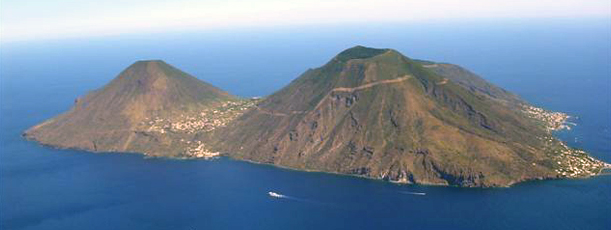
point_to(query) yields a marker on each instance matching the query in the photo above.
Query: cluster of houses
(198, 150)
(156, 125)
(204, 121)
(554, 120)
(196, 124)
(186, 125)
(572, 163)
(577, 163)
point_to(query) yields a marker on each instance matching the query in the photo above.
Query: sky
(23, 20)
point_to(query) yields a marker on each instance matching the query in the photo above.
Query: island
(368, 112)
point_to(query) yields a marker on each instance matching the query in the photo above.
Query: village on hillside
(574, 163)
(554, 121)
(187, 125)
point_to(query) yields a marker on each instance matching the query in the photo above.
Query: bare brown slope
(109, 119)
(378, 114)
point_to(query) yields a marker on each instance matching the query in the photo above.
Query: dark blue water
(560, 65)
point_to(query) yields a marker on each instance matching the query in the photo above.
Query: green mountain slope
(378, 114)
(472, 82)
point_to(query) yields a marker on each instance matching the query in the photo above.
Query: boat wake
(413, 193)
(282, 196)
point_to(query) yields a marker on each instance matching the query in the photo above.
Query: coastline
(228, 155)
(571, 162)
(553, 121)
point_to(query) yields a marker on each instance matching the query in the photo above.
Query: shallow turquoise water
(564, 66)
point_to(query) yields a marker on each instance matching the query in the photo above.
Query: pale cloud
(31, 19)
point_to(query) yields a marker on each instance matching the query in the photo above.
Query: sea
(561, 65)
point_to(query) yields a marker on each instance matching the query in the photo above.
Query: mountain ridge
(419, 128)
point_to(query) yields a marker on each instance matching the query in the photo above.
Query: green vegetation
(359, 52)
(472, 82)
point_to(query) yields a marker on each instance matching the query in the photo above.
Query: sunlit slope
(113, 118)
(379, 114)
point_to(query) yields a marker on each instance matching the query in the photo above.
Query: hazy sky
(44, 19)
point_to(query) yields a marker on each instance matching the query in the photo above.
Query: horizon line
(266, 28)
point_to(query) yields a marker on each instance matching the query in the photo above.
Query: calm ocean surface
(559, 65)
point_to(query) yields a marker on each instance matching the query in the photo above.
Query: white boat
(273, 194)
(414, 193)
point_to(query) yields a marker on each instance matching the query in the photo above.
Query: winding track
(369, 85)
(339, 89)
